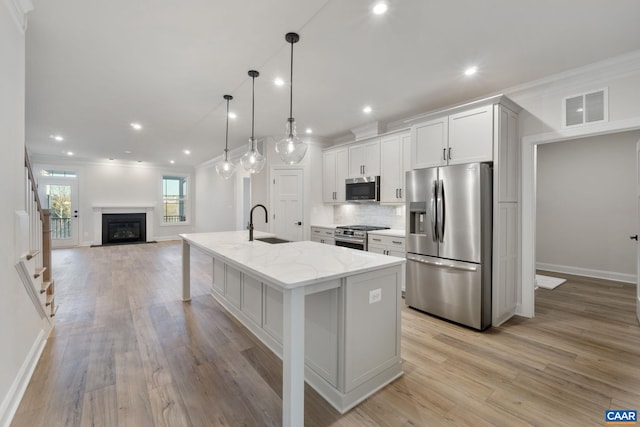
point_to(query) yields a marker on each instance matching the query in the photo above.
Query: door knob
(297, 223)
(634, 237)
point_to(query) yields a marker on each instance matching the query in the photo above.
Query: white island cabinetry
(314, 305)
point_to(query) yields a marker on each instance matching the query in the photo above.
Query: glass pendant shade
(224, 167)
(291, 149)
(252, 161)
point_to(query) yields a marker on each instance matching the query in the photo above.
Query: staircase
(34, 266)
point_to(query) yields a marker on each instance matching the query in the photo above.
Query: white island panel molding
(331, 313)
(98, 210)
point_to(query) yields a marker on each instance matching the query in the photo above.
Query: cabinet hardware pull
(444, 154)
(376, 240)
(400, 191)
(449, 153)
(396, 242)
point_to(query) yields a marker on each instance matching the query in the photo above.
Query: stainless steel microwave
(363, 189)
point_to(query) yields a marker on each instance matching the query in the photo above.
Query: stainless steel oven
(354, 236)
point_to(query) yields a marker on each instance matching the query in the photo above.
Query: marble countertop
(394, 232)
(288, 265)
(326, 225)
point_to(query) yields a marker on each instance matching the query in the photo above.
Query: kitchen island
(331, 313)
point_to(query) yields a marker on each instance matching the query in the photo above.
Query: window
(174, 199)
(58, 173)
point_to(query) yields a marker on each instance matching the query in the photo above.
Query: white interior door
(638, 230)
(60, 196)
(287, 203)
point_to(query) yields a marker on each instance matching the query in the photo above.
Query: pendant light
(252, 160)
(226, 168)
(291, 149)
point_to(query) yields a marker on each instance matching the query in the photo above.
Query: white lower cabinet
(323, 235)
(386, 245)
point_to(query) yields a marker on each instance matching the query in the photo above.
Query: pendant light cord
(291, 86)
(253, 105)
(226, 136)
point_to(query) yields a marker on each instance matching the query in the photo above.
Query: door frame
(305, 216)
(73, 182)
(526, 306)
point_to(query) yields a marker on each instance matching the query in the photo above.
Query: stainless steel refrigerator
(449, 228)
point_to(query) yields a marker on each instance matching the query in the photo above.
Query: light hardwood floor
(127, 352)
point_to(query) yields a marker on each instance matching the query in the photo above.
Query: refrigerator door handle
(439, 264)
(440, 211)
(434, 196)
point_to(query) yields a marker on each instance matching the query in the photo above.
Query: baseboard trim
(587, 272)
(16, 392)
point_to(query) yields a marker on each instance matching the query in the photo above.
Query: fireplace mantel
(98, 210)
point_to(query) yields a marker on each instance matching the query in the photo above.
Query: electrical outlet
(375, 295)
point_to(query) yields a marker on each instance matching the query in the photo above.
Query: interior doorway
(529, 190)
(585, 206)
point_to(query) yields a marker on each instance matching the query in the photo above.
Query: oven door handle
(439, 264)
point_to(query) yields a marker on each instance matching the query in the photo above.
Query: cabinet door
(372, 158)
(471, 136)
(356, 160)
(428, 142)
(377, 249)
(329, 176)
(342, 168)
(391, 169)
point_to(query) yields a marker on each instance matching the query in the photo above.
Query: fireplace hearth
(123, 228)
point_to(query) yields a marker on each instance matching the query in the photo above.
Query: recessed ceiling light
(380, 8)
(136, 126)
(309, 130)
(58, 138)
(367, 109)
(69, 153)
(579, 110)
(187, 152)
(232, 115)
(278, 82)
(111, 158)
(172, 161)
(471, 71)
(127, 152)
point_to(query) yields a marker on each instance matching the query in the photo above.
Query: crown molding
(19, 10)
(595, 74)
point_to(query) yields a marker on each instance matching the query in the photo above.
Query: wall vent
(586, 108)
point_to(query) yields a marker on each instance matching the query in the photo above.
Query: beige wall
(586, 206)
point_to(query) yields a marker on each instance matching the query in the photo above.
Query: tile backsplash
(370, 214)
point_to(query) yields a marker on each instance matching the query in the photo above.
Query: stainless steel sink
(272, 240)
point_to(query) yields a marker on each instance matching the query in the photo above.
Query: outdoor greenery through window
(174, 199)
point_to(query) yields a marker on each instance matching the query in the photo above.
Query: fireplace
(124, 228)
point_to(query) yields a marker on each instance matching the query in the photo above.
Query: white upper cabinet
(364, 159)
(334, 173)
(471, 136)
(430, 143)
(394, 162)
(464, 137)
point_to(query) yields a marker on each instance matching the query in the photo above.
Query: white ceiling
(95, 66)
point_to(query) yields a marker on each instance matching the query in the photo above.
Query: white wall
(215, 200)
(586, 206)
(120, 185)
(22, 333)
